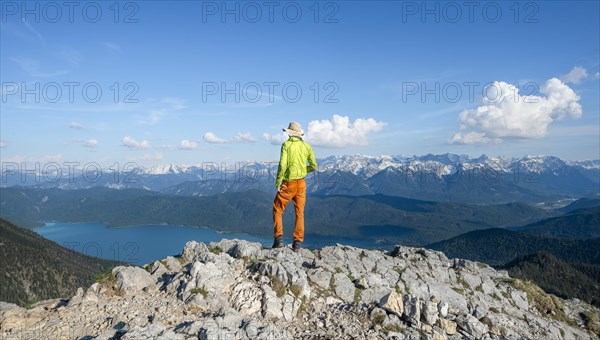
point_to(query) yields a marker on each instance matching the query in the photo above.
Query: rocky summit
(237, 290)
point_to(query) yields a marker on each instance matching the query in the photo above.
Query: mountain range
(579, 224)
(384, 219)
(447, 177)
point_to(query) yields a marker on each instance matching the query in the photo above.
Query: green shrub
(278, 286)
(200, 291)
(215, 250)
(296, 290)
(378, 318)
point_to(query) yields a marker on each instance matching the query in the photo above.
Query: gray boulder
(373, 295)
(443, 309)
(471, 325)
(131, 280)
(152, 331)
(430, 312)
(320, 277)
(245, 249)
(412, 309)
(246, 298)
(344, 288)
(238, 248)
(193, 249)
(520, 299)
(211, 276)
(271, 305)
(479, 309)
(392, 302)
(158, 269)
(172, 264)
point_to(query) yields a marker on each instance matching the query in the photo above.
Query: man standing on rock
(290, 183)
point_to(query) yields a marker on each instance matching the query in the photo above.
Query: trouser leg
(281, 200)
(299, 203)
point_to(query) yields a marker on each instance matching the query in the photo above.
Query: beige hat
(294, 129)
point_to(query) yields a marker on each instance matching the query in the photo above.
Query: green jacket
(292, 163)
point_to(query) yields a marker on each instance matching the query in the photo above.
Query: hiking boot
(278, 243)
(296, 245)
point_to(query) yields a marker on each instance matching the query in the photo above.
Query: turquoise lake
(146, 243)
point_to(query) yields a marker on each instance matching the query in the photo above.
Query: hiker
(290, 183)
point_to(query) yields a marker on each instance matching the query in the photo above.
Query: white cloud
(187, 145)
(34, 32)
(75, 125)
(575, 76)
(51, 158)
(511, 115)
(210, 137)
(161, 109)
(174, 103)
(152, 157)
(71, 56)
(29, 159)
(15, 159)
(3, 144)
(340, 132)
(32, 67)
(153, 117)
(243, 137)
(275, 139)
(112, 46)
(91, 143)
(597, 75)
(130, 142)
(473, 138)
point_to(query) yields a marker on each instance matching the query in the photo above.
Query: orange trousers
(295, 191)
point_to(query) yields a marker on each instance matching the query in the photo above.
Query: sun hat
(294, 129)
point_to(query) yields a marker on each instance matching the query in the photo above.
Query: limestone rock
(152, 331)
(77, 299)
(193, 249)
(238, 248)
(373, 295)
(246, 298)
(320, 277)
(271, 305)
(447, 326)
(344, 288)
(471, 325)
(520, 299)
(438, 334)
(158, 269)
(132, 280)
(392, 302)
(430, 312)
(443, 309)
(172, 264)
(361, 283)
(412, 309)
(246, 249)
(312, 294)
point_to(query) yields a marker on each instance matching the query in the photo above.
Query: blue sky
(370, 61)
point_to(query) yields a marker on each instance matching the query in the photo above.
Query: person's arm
(282, 168)
(312, 162)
